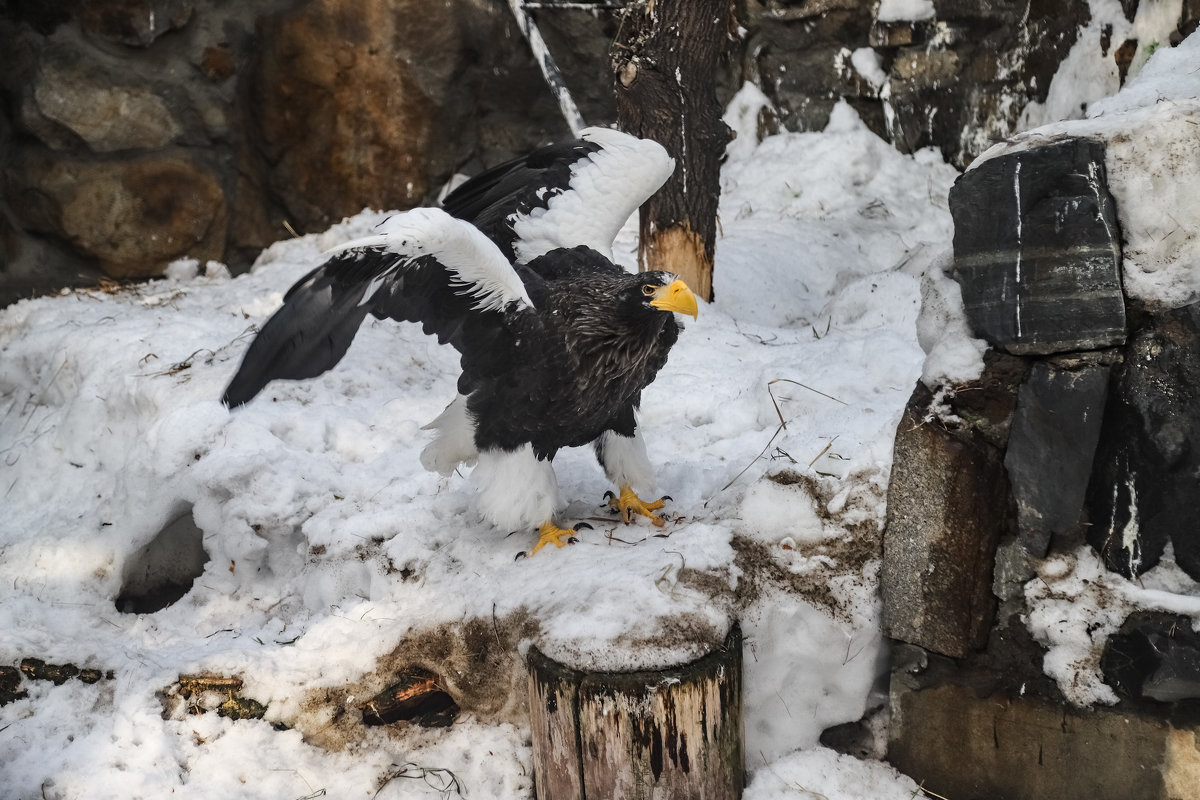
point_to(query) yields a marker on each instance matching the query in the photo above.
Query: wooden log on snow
(662, 735)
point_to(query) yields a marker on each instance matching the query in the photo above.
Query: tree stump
(662, 735)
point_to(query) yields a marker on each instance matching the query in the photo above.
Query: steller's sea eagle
(516, 273)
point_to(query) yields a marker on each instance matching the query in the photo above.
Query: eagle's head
(623, 318)
(661, 292)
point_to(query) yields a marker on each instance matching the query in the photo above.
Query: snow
(871, 226)
(1076, 605)
(952, 355)
(905, 10)
(822, 773)
(1089, 72)
(869, 64)
(335, 559)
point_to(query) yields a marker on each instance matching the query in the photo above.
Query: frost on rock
(1076, 604)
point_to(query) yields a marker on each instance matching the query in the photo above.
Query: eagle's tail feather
(454, 442)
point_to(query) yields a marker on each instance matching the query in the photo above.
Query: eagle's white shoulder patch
(606, 187)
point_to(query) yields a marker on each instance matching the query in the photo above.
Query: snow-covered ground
(334, 560)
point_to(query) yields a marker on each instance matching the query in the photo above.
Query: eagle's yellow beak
(676, 297)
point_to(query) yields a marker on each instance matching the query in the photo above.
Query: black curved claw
(572, 540)
(610, 494)
(520, 555)
(667, 497)
(579, 526)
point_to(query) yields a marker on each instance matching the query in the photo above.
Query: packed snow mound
(317, 557)
(849, 214)
(822, 773)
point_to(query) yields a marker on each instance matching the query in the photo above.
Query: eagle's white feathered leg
(454, 440)
(626, 464)
(624, 459)
(515, 490)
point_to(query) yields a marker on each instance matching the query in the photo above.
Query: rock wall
(1083, 429)
(956, 80)
(134, 132)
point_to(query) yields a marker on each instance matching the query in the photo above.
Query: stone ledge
(958, 744)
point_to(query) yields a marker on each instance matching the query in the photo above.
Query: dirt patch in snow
(476, 661)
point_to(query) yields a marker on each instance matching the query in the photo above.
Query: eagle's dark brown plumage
(555, 348)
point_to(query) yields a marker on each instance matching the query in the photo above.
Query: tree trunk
(661, 735)
(665, 60)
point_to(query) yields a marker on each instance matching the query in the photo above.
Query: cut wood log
(661, 735)
(200, 694)
(417, 696)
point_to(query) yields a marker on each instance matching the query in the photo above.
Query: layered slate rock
(1155, 656)
(1146, 483)
(1037, 250)
(1051, 446)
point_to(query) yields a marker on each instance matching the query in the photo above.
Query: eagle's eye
(648, 290)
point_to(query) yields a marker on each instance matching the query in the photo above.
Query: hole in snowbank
(164, 570)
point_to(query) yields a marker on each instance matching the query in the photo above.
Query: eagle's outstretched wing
(557, 342)
(421, 266)
(563, 195)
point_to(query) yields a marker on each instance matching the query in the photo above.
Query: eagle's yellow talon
(550, 533)
(628, 503)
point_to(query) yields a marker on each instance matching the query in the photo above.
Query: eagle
(515, 272)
